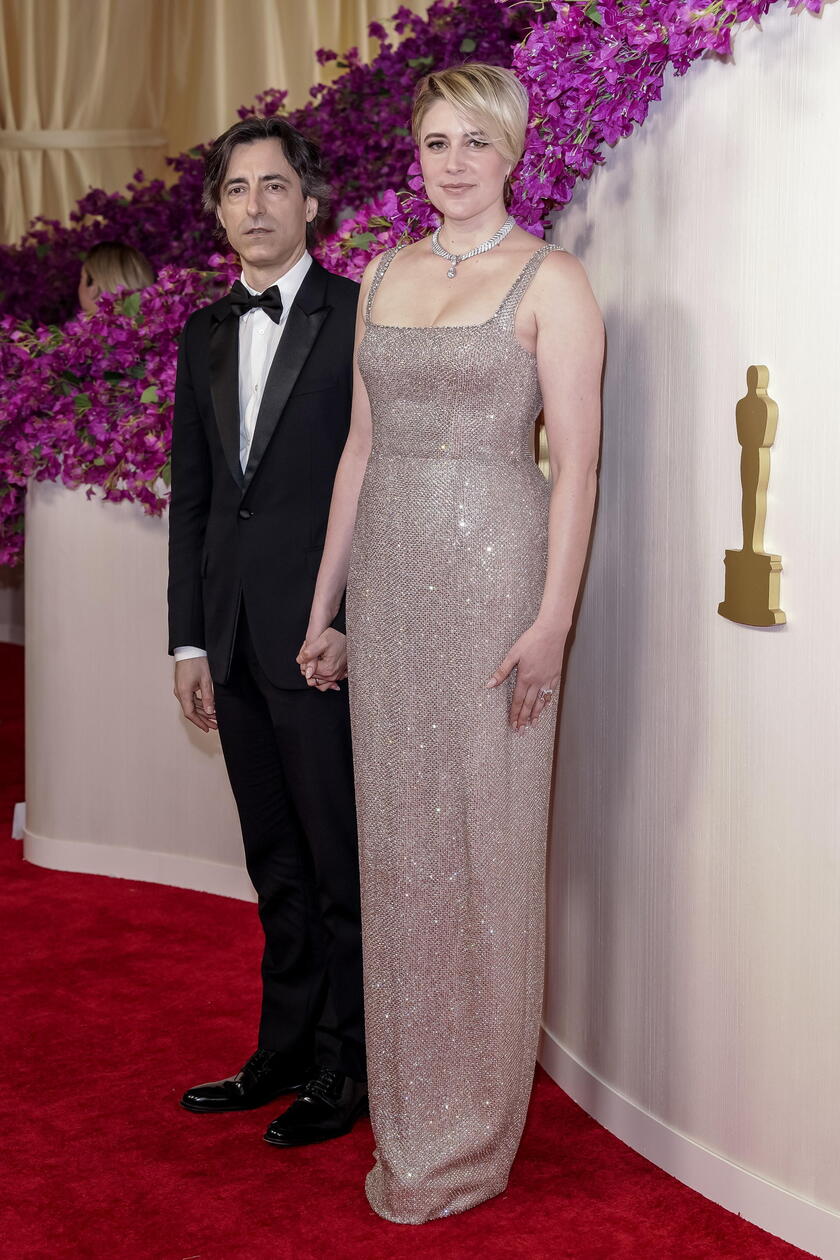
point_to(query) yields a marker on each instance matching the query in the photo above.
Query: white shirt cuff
(188, 653)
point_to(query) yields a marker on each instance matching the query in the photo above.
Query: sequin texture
(447, 570)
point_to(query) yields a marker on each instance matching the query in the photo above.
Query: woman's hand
(323, 660)
(537, 656)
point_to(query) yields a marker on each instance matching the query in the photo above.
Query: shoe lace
(259, 1063)
(323, 1084)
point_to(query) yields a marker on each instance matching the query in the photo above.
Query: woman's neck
(459, 236)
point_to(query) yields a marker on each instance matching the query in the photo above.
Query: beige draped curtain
(90, 90)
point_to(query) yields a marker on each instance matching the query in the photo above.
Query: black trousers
(289, 760)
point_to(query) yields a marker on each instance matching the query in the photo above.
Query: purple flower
(88, 401)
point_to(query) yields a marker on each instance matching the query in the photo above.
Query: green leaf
(421, 63)
(130, 305)
(594, 13)
(149, 395)
(138, 371)
(166, 472)
(82, 403)
(400, 131)
(468, 44)
(361, 240)
(99, 461)
(42, 250)
(113, 376)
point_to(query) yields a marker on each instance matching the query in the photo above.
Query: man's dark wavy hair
(303, 156)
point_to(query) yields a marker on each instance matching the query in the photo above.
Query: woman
(463, 578)
(108, 266)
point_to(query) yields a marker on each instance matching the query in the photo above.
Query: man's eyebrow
(241, 179)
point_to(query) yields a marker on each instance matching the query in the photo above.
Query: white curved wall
(695, 873)
(117, 781)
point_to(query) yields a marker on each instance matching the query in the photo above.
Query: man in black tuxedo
(262, 408)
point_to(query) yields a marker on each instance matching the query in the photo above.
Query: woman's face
(463, 171)
(88, 291)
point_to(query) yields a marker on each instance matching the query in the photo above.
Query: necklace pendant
(454, 259)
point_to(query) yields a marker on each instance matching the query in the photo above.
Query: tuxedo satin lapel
(305, 321)
(224, 388)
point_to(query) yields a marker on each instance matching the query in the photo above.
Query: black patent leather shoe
(263, 1078)
(326, 1107)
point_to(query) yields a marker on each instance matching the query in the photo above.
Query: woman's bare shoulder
(399, 254)
(371, 268)
(413, 248)
(560, 270)
(409, 255)
(562, 265)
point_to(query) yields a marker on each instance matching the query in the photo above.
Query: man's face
(262, 207)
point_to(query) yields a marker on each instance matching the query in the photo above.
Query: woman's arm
(335, 561)
(570, 352)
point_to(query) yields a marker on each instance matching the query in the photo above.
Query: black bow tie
(242, 301)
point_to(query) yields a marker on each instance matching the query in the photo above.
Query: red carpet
(118, 995)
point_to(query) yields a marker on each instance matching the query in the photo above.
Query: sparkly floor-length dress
(447, 570)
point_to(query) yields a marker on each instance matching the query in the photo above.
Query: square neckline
(380, 273)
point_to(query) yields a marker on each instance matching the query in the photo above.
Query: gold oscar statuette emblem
(752, 574)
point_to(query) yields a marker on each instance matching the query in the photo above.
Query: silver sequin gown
(447, 569)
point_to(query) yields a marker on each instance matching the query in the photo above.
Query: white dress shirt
(259, 338)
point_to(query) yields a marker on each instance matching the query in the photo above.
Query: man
(262, 407)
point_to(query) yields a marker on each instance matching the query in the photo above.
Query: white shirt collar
(288, 283)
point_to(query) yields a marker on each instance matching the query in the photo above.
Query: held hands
(323, 660)
(194, 692)
(537, 656)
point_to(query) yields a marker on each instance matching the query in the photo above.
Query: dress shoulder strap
(506, 313)
(382, 266)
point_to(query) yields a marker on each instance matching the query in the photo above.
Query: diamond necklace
(454, 259)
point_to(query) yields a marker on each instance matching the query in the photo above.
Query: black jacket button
(244, 514)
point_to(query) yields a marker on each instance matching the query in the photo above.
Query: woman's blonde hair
(489, 95)
(112, 265)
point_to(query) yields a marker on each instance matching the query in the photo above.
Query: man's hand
(323, 662)
(194, 693)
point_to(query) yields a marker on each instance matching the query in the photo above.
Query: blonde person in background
(109, 266)
(462, 568)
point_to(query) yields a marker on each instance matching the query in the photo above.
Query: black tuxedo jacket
(257, 536)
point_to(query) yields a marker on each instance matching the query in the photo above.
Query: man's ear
(311, 208)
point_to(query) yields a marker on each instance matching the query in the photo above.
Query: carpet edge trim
(771, 1207)
(175, 870)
